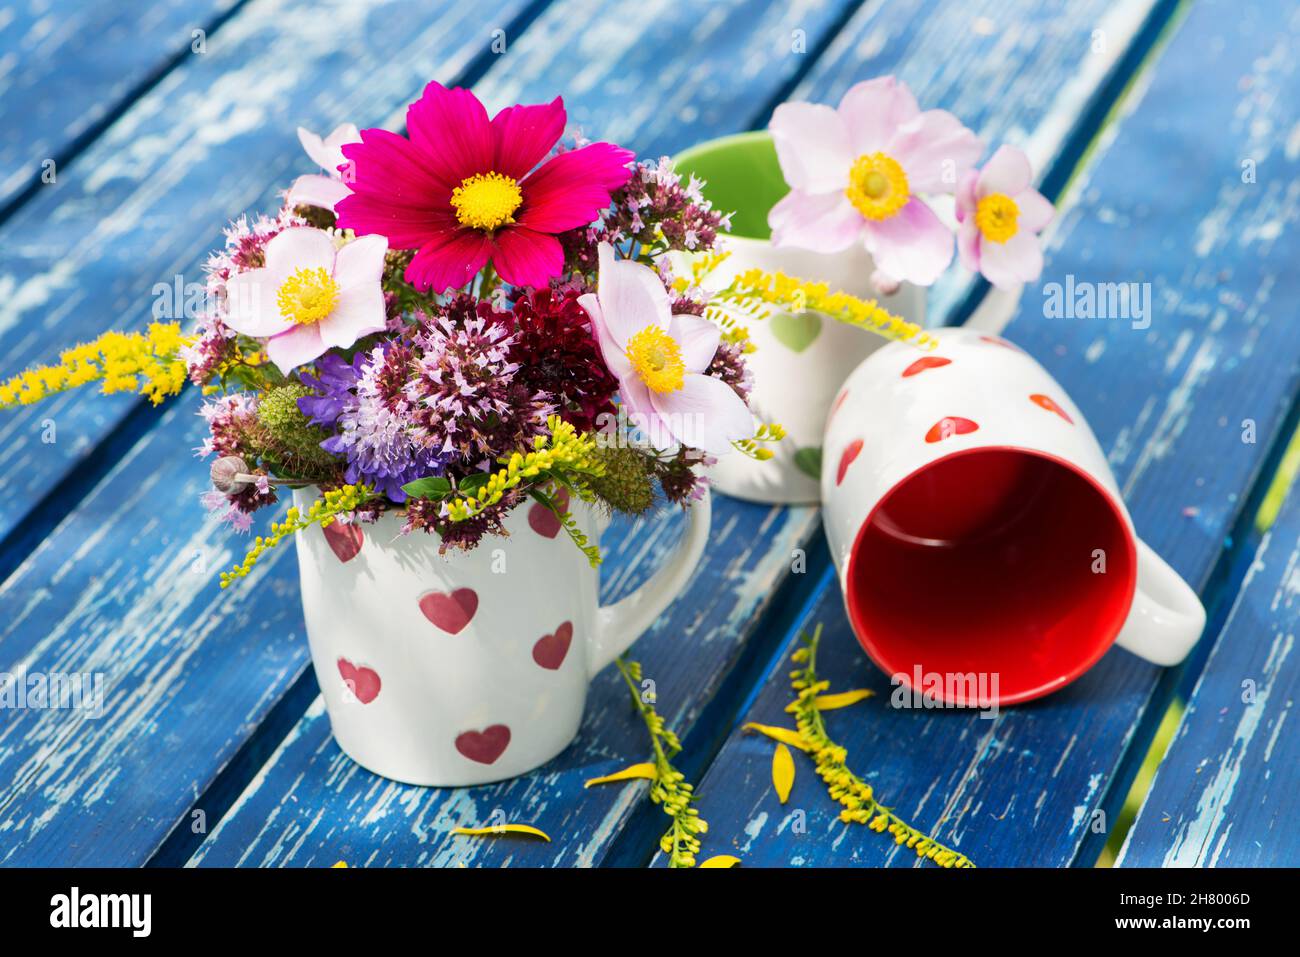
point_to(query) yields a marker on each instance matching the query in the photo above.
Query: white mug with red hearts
(471, 668)
(978, 530)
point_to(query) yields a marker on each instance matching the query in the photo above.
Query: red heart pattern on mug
(344, 540)
(839, 401)
(995, 341)
(363, 682)
(551, 650)
(949, 426)
(1045, 402)
(846, 459)
(923, 363)
(484, 746)
(450, 612)
(545, 522)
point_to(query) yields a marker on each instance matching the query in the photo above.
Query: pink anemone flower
(463, 190)
(315, 189)
(856, 174)
(1001, 215)
(310, 296)
(659, 360)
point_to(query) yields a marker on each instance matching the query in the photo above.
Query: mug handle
(1166, 618)
(620, 624)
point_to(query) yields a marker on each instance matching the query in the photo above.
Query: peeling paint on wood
(65, 67)
(1231, 768)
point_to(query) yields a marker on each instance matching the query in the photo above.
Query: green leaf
(472, 483)
(431, 486)
(809, 461)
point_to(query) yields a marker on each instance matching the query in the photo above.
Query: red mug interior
(985, 563)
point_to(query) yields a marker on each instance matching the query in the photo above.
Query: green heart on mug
(796, 330)
(809, 461)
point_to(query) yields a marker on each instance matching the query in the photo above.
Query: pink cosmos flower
(464, 190)
(856, 174)
(659, 360)
(324, 191)
(1001, 215)
(310, 296)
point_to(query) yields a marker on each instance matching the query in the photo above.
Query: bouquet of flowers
(450, 322)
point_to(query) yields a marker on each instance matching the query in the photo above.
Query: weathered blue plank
(1227, 793)
(66, 67)
(659, 76)
(147, 200)
(125, 586)
(1188, 408)
(126, 589)
(310, 806)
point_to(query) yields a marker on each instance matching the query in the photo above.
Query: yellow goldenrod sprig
(768, 434)
(859, 803)
(779, 292)
(726, 315)
(733, 331)
(321, 512)
(564, 455)
(144, 362)
(701, 266)
(669, 787)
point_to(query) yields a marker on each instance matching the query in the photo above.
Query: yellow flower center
(307, 296)
(657, 359)
(996, 216)
(877, 186)
(486, 201)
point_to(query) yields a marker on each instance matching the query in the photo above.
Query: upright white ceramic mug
(978, 530)
(798, 363)
(800, 358)
(471, 668)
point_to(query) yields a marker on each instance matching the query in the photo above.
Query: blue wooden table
(1167, 134)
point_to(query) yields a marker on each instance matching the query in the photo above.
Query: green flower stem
(669, 788)
(487, 281)
(859, 803)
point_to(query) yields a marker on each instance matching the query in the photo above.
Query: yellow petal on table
(786, 735)
(721, 860)
(829, 702)
(633, 773)
(501, 830)
(782, 772)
